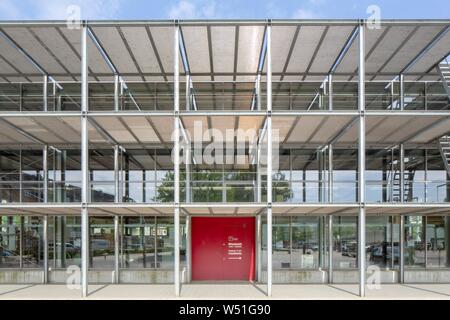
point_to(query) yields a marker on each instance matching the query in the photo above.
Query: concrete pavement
(238, 291)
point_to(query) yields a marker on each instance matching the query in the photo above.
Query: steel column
(402, 173)
(402, 249)
(45, 241)
(84, 164)
(21, 222)
(116, 93)
(176, 157)
(330, 92)
(188, 92)
(188, 249)
(188, 173)
(330, 248)
(402, 91)
(116, 249)
(258, 248)
(116, 175)
(330, 217)
(361, 164)
(20, 176)
(45, 172)
(45, 92)
(269, 160)
(45, 219)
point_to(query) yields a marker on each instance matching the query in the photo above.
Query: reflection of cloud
(188, 10)
(304, 14)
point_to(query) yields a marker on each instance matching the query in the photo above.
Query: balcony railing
(148, 96)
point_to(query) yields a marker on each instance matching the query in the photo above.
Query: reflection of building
(360, 166)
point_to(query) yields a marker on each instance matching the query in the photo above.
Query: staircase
(444, 148)
(408, 178)
(443, 69)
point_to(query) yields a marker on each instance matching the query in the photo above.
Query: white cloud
(90, 9)
(189, 10)
(317, 2)
(57, 10)
(304, 14)
(10, 10)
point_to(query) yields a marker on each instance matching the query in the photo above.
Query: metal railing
(418, 95)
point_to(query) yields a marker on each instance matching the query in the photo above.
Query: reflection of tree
(207, 186)
(281, 189)
(164, 192)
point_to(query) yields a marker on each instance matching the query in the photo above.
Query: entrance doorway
(223, 248)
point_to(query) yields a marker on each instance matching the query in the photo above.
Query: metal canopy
(221, 50)
(220, 209)
(155, 129)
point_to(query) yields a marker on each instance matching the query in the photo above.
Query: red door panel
(223, 248)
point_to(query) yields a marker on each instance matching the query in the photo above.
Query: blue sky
(225, 9)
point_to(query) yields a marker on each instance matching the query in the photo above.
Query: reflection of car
(99, 244)
(419, 245)
(70, 249)
(350, 249)
(6, 253)
(305, 246)
(380, 252)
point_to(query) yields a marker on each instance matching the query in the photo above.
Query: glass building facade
(114, 135)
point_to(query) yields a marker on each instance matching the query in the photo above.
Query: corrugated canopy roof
(222, 50)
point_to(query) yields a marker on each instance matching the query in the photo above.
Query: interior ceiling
(294, 131)
(221, 51)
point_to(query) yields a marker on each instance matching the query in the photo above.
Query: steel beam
(361, 164)
(84, 164)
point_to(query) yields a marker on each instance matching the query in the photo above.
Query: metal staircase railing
(444, 148)
(443, 69)
(408, 180)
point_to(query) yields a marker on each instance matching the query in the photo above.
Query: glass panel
(381, 242)
(414, 241)
(281, 243)
(437, 255)
(345, 242)
(305, 242)
(64, 244)
(101, 244)
(138, 242)
(9, 242)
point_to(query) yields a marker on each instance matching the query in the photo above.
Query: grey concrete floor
(238, 291)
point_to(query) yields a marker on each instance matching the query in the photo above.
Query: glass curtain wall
(21, 242)
(148, 243)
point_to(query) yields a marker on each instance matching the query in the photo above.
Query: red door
(223, 248)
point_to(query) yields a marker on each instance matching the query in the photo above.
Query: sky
(221, 9)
